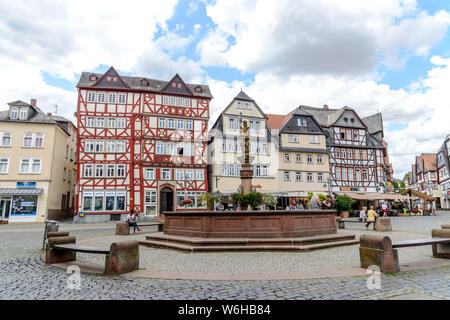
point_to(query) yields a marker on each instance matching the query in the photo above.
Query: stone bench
(380, 251)
(121, 257)
(381, 224)
(123, 228)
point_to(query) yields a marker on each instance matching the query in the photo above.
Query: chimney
(325, 107)
(33, 102)
(49, 114)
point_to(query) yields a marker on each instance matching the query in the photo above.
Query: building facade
(443, 164)
(142, 145)
(427, 177)
(37, 164)
(357, 153)
(302, 155)
(225, 150)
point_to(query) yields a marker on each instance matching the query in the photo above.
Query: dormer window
(108, 78)
(93, 78)
(144, 82)
(174, 85)
(14, 113)
(179, 85)
(198, 89)
(23, 113)
(114, 79)
(301, 122)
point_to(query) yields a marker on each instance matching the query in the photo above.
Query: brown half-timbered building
(356, 155)
(141, 144)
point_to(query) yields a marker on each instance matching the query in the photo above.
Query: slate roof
(243, 96)
(136, 84)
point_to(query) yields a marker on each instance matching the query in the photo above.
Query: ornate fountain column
(246, 171)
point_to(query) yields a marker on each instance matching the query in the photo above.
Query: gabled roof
(282, 122)
(274, 120)
(429, 160)
(374, 123)
(328, 117)
(243, 96)
(103, 82)
(135, 83)
(177, 80)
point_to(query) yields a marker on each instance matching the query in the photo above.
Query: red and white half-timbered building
(356, 155)
(141, 145)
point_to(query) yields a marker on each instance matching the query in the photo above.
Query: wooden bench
(380, 251)
(121, 257)
(123, 227)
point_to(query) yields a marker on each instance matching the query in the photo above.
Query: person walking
(371, 217)
(362, 214)
(384, 209)
(132, 221)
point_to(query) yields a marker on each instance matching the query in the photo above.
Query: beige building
(37, 164)
(225, 149)
(302, 156)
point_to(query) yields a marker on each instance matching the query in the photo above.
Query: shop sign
(23, 184)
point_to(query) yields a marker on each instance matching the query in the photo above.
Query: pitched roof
(135, 83)
(430, 161)
(374, 123)
(274, 120)
(243, 96)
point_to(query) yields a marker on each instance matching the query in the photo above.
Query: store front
(19, 205)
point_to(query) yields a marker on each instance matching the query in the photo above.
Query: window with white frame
(180, 124)
(298, 176)
(259, 170)
(173, 101)
(120, 146)
(179, 174)
(170, 123)
(319, 177)
(188, 124)
(88, 170)
(200, 175)
(28, 139)
(90, 122)
(4, 164)
(5, 139)
(165, 174)
(101, 97)
(319, 159)
(301, 122)
(23, 113)
(99, 145)
(91, 96)
(122, 98)
(30, 165)
(239, 105)
(287, 157)
(349, 154)
(160, 148)
(111, 122)
(33, 140)
(232, 124)
(162, 123)
(170, 148)
(150, 196)
(149, 173)
(39, 140)
(247, 105)
(309, 158)
(110, 171)
(189, 174)
(111, 146)
(99, 170)
(287, 176)
(100, 122)
(165, 100)
(111, 98)
(313, 139)
(298, 158)
(309, 177)
(179, 102)
(14, 113)
(187, 102)
(121, 123)
(120, 170)
(89, 145)
(293, 138)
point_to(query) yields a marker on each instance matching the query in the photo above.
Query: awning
(20, 191)
(418, 194)
(374, 196)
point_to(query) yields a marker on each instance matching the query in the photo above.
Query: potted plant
(185, 202)
(269, 201)
(208, 199)
(343, 205)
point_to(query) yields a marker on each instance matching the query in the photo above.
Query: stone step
(195, 241)
(178, 246)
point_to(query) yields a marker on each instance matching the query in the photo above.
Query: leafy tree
(343, 203)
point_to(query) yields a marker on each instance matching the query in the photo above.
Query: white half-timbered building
(141, 144)
(356, 156)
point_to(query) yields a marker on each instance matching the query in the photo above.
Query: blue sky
(387, 55)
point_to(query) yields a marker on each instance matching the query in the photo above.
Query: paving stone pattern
(24, 276)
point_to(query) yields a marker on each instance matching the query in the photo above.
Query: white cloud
(319, 37)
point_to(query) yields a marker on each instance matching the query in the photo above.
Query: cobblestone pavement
(24, 276)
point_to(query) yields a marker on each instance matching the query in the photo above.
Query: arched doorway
(166, 200)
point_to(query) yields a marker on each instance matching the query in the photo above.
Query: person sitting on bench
(132, 221)
(363, 215)
(371, 217)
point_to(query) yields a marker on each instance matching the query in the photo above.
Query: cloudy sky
(391, 56)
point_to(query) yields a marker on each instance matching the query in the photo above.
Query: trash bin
(50, 226)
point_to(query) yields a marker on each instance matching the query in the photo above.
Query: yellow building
(303, 157)
(37, 164)
(225, 149)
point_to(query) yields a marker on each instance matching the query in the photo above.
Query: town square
(225, 151)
